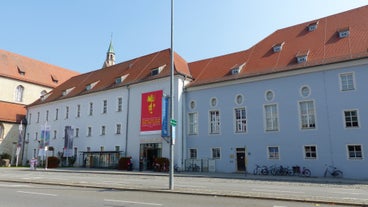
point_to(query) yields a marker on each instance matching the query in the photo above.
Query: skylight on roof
(302, 56)
(313, 26)
(278, 47)
(54, 78)
(157, 71)
(21, 71)
(345, 32)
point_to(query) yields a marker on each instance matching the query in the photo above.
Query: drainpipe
(127, 123)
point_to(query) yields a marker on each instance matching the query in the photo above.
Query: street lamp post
(172, 127)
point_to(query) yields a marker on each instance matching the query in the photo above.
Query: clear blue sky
(75, 34)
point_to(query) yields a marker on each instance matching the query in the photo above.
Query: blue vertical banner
(47, 135)
(165, 130)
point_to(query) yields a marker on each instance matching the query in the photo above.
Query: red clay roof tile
(29, 70)
(11, 112)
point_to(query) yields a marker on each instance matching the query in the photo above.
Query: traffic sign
(173, 122)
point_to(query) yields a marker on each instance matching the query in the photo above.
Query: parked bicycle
(333, 171)
(280, 170)
(260, 170)
(301, 171)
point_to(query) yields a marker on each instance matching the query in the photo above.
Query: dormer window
(90, 86)
(302, 56)
(236, 70)
(54, 79)
(312, 26)
(343, 32)
(278, 47)
(67, 91)
(120, 79)
(45, 96)
(21, 71)
(157, 71)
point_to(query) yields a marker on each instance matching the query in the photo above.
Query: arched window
(19, 93)
(44, 92)
(1, 131)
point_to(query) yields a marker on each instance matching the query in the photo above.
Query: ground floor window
(216, 153)
(193, 153)
(310, 152)
(355, 151)
(273, 153)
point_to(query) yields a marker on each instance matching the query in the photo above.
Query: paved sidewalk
(219, 184)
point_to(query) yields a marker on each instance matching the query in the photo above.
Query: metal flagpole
(172, 134)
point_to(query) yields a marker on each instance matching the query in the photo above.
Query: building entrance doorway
(241, 159)
(148, 153)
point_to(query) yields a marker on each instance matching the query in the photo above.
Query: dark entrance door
(149, 152)
(241, 159)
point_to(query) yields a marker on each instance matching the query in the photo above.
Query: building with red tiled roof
(295, 98)
(22, 81)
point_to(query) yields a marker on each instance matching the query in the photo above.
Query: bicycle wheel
(337, 173)
(255, 171)
(307, 173)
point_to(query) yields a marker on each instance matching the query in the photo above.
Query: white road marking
(36, 193)
(277, 191)
(133, 202)
(14, 185)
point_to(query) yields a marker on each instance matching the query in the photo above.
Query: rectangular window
(78, 110)
(89, 131)
(56, 114)
(216, 153)
(273, 153)
(47, 115)
(117, 148)
(76, 132)
(120, 104)
(271, 116)
(193, 153)
(90, 108)
(30, 118)
(240, 120)
(36, 136)
(355, 152)
(118, 128)
(310, 152)
(67, 112)
(193, 123)
(351, 118)
(347, 81)
(104, 109)
(103, 130)
(307, 115)
(55, 133)
(214, 122)
(38, 117)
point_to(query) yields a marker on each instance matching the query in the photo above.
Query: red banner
(151, 111)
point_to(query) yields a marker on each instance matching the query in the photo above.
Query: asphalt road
(35, 195)
(312, 190)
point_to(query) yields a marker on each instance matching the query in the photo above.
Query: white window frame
(78, 110)
(271, 120)
(103, 130)
(119, 104)
(347, 84)
(240, 122)
(216, 153)
(118, 128)
(89, 131)
(310, 152)
(355, 152)
(104, 106)
(307, 116)
(193, 123)
(273, 155)
(214, 121)
(351, 117)
(90, 109)
(19, 92)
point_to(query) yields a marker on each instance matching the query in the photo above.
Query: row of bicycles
(281, 170)
(294, 171)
